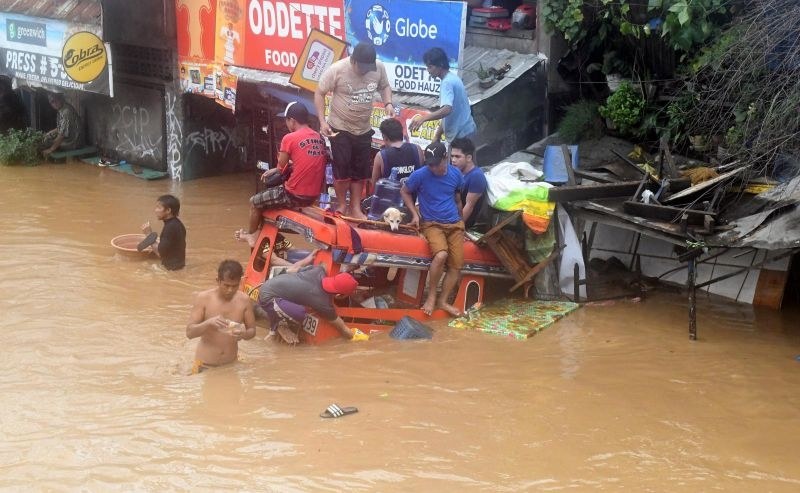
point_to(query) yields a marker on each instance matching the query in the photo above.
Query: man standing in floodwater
(171, 246)
(221, 317)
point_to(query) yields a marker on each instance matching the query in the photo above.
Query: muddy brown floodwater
(94, 396)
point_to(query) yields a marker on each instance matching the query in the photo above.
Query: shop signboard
(55, 53)
(321, 51)
(402, 30)
(276, 30)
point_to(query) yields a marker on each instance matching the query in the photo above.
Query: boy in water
(171, 246)
(221, 317)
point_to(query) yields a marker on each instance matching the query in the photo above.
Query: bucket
(555, 171)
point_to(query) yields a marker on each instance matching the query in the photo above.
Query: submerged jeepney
(397, 264)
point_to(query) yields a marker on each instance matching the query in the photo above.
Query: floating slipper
(147, 241)
(334, 411)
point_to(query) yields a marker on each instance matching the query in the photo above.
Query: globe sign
(378, 25)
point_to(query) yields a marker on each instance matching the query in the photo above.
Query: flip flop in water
(334, 411)
(147, 241)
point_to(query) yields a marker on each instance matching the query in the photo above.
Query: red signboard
(196, 22)
(276, 31)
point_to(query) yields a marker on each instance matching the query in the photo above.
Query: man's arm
(408, 199)
(342, 327)
(377, 169)
(283, 160)
(197, 326)
(56, 144)
(460, 205)
(386, 97)
(249, 320)
(319, 104)
(442, 112)
(469, 205)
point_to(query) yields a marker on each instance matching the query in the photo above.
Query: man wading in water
(221, 317)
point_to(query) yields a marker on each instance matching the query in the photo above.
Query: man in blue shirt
(454, 108)
(438, 187)
(473, 195)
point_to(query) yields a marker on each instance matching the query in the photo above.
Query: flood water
(95, 397)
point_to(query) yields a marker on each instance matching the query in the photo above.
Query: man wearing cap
(454, 109)
(438, 187)
(297, 180)
(287, 296)
(352, 83)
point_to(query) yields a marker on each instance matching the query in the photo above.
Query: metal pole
(692, 302)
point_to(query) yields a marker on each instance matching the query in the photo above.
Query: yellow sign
(320, 52)
(84, 57)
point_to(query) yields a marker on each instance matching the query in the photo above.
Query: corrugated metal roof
(473, 58)
(78, 11)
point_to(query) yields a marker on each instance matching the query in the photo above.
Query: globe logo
(12, 31)
(378, 25)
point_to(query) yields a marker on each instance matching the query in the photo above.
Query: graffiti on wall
(211, 141)
(133, 134)
(174, 138)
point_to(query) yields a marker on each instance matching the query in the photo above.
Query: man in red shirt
(300, 173)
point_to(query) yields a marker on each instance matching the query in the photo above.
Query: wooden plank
(704, 185)
(770, 288)
(568, 165)
(665, 212)
(594, 191)
(597, 177)
(498, 227)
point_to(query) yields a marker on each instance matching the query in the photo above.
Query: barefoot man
(221, 317)
(438, 187)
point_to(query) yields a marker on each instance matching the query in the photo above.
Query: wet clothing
(459, 122)
(352, 155)
(69, 125)
(436, 194)
(404, 159)
(308, 156)
(172, 244)
(474, 182)
(352, 95)
(446, 238)
(302, 288)
(281, 309)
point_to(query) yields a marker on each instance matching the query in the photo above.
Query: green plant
(581, 121)
(483, 74)
(20, 147)
(624, 108)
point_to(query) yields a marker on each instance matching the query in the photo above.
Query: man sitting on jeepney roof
(297, 180)
(286, 296)
(438, 187)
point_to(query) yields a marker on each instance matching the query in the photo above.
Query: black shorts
(352, 155)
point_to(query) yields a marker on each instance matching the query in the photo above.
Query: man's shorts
(271, 198)
(277, 198)
(352, 155)
(446, 238)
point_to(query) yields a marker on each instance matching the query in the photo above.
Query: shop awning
(77, 11)
(474, 58)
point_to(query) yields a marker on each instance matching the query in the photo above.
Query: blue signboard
(402, 30)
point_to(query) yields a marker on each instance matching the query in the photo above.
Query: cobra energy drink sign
(402, 30)
(54, 53)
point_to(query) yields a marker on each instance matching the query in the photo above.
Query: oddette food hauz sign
(54, 53)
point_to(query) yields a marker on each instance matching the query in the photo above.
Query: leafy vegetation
(581, 121)
(20, 147)
(624, 108)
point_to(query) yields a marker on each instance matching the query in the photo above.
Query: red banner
(276, 31)
(196, 23)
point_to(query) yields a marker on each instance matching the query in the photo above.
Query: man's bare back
(211, 318)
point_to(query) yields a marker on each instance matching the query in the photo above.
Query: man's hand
(265, 175)
(325, 129)
(414, 223)
(146, 229)
(415, 123)
(46, 152)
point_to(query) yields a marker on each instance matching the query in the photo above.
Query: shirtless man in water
(221, 317)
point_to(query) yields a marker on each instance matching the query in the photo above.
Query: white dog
(393, 217)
